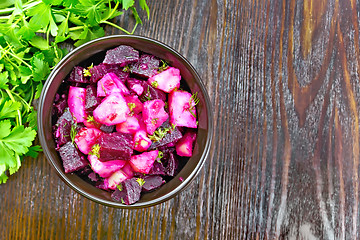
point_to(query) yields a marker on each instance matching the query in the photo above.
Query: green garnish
(159, 156)
(193, 101)
(140, 181)
(87, 72)
(155, 84)
(126, 68)
(90, 119)
(131, 106)
(95, 150)
(122, 201)
(120, 187)
(160, 133)
(148, 94)
(73, 132)
(163, 67)
(154, 121)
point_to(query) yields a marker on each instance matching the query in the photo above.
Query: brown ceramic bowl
(94, 52)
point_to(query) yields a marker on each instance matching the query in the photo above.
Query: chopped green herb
(86, 72)
(95, 150)
(193, 101)
(154, 121)
(131, 106)
(122, 201)
(73, 132)
(148, 94)
(90, 119)
(164, 65)
(159, 156)
(120, 187)
(160, 133)
(126, 68)
(140, 181)
(155, 84)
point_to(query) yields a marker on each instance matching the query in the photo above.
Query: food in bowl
(127, 125)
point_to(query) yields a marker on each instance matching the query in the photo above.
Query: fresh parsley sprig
(31, 33)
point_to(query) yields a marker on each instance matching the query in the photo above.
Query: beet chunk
(146, 67)
(62, 132)
(172, 165)
(66, 115)
(157, 169)
(62, 128)
(98, 71)
(152, 183)
(60, 104)
(77, 75)
(130, 192)
(73, 159)
(151, 93)
(91, 100)
(121, 55)
(107, 129)
(171, 136)
(115, 146)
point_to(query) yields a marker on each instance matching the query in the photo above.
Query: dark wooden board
(283, 77)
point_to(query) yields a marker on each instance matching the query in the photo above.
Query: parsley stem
(18, 119)
(113, 10)
(14, 55)
(25, 7)
(76, 28)
(116, 26)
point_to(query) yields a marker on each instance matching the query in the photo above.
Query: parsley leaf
(28, 53)
(8, 109)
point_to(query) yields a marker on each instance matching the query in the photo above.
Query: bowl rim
(185, 183)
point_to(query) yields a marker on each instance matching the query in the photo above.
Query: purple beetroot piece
(130, 192)
(167, 80)
(60, 104)
(76, 102)
(105, 169)
(73, 159)
(172, 165)
(77, 75)
(157, 169)
(172, 136)
(112, 110)
(62, 128)
(107, 129)
(62, 132)
(115, 146)
(182, 109)
(143, 162)
(152, 183)
(154, 115)
(146, 66)
(91, 100)
(98, 71)
(151, 93)
(121, 55)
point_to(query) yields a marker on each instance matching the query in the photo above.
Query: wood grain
(283, 77)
